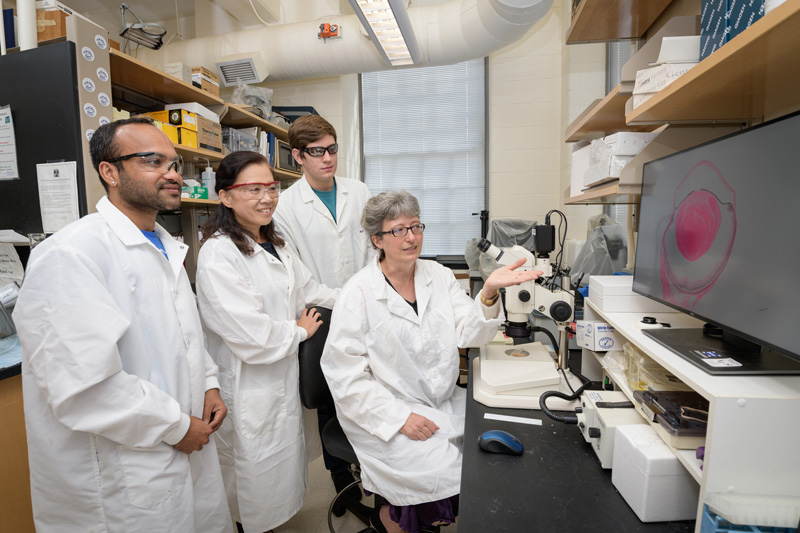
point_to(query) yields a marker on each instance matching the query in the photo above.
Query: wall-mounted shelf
(191, 155)
(613, 20)
(604, 117)
(236, 116)
(132, 74)
(611, 193)
(753, 77)
(198, 202)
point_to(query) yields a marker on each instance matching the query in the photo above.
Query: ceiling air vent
(249, 68)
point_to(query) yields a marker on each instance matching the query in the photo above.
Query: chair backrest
(314, 391)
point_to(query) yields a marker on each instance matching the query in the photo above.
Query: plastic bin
(713, 523)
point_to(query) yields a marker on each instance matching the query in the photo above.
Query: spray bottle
(209, 180)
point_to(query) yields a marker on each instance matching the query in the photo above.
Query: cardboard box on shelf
(614, 294)
(197, 109)
(722, 20)
(177, 117)
(651, 80)
(209, 135)
(205, 80)
(581, 161)
(170, 131)
(187, 137)
(50, 25)
(597, 336)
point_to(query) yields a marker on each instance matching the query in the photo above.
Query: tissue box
(651, 479)
(194, 192)
(597, 336)
(614, 294)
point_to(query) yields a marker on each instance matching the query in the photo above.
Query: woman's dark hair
(224, 220)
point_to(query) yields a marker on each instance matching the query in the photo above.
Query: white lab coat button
(435, 375)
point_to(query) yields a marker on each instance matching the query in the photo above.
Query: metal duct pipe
(446, 33)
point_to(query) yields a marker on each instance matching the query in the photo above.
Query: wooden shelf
(753, 77)
(192, 155)
(130, 73)
(604, 117)
(612, 193)
(198, 202)
(613, 20)
(282, 175)
(236, 116)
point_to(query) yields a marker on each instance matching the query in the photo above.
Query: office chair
(314, 393)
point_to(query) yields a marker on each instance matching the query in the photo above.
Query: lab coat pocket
(262, 410)
(152, 474)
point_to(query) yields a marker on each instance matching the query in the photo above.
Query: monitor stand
(719, 357)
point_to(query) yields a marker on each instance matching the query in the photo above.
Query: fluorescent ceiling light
(145, 33)
(389, 27)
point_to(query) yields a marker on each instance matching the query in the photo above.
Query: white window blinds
(424, 131)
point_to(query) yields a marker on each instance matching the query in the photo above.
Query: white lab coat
(249, 306)
(332, 250)
(383, 362)
(113, 365)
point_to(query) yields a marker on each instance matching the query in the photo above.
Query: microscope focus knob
(594, 433)
(524, 295)
(560, 311)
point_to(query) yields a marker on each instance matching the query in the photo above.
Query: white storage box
(581, 161)
(597, 336)
(651, 479)
(628, 142)
(652, 80)
(614, 294)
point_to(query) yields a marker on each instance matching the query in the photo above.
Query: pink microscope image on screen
(699, 237)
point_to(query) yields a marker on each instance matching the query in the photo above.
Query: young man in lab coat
(120, 394)
(320, 219)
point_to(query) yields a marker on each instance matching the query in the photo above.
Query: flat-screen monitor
(719, 239)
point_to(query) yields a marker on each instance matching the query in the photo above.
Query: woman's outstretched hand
(506, 276)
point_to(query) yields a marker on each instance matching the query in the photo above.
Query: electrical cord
(562, 240)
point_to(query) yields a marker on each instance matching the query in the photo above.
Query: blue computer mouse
(499, 441)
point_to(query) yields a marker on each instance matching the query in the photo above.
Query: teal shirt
(328, 198)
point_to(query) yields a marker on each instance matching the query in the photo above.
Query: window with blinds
(424, 131)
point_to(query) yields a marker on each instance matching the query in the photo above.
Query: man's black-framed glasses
(319, 151)
(152, 161)
(416, 229)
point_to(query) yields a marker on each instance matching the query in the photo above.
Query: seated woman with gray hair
(391, 361)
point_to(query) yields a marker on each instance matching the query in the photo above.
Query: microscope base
(527, 398)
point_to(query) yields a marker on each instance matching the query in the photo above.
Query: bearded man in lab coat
(320, 219)
(120, 394)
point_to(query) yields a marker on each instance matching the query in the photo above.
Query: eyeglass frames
(152, 162)
(319, 151)
(416, 229)
(256, 191)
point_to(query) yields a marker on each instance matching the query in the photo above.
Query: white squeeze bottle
(209, 180)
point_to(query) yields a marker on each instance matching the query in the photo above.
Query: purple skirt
(423, 515)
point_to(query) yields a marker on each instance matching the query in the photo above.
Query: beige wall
(537, 86)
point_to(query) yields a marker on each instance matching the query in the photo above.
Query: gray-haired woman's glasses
(416, 229)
